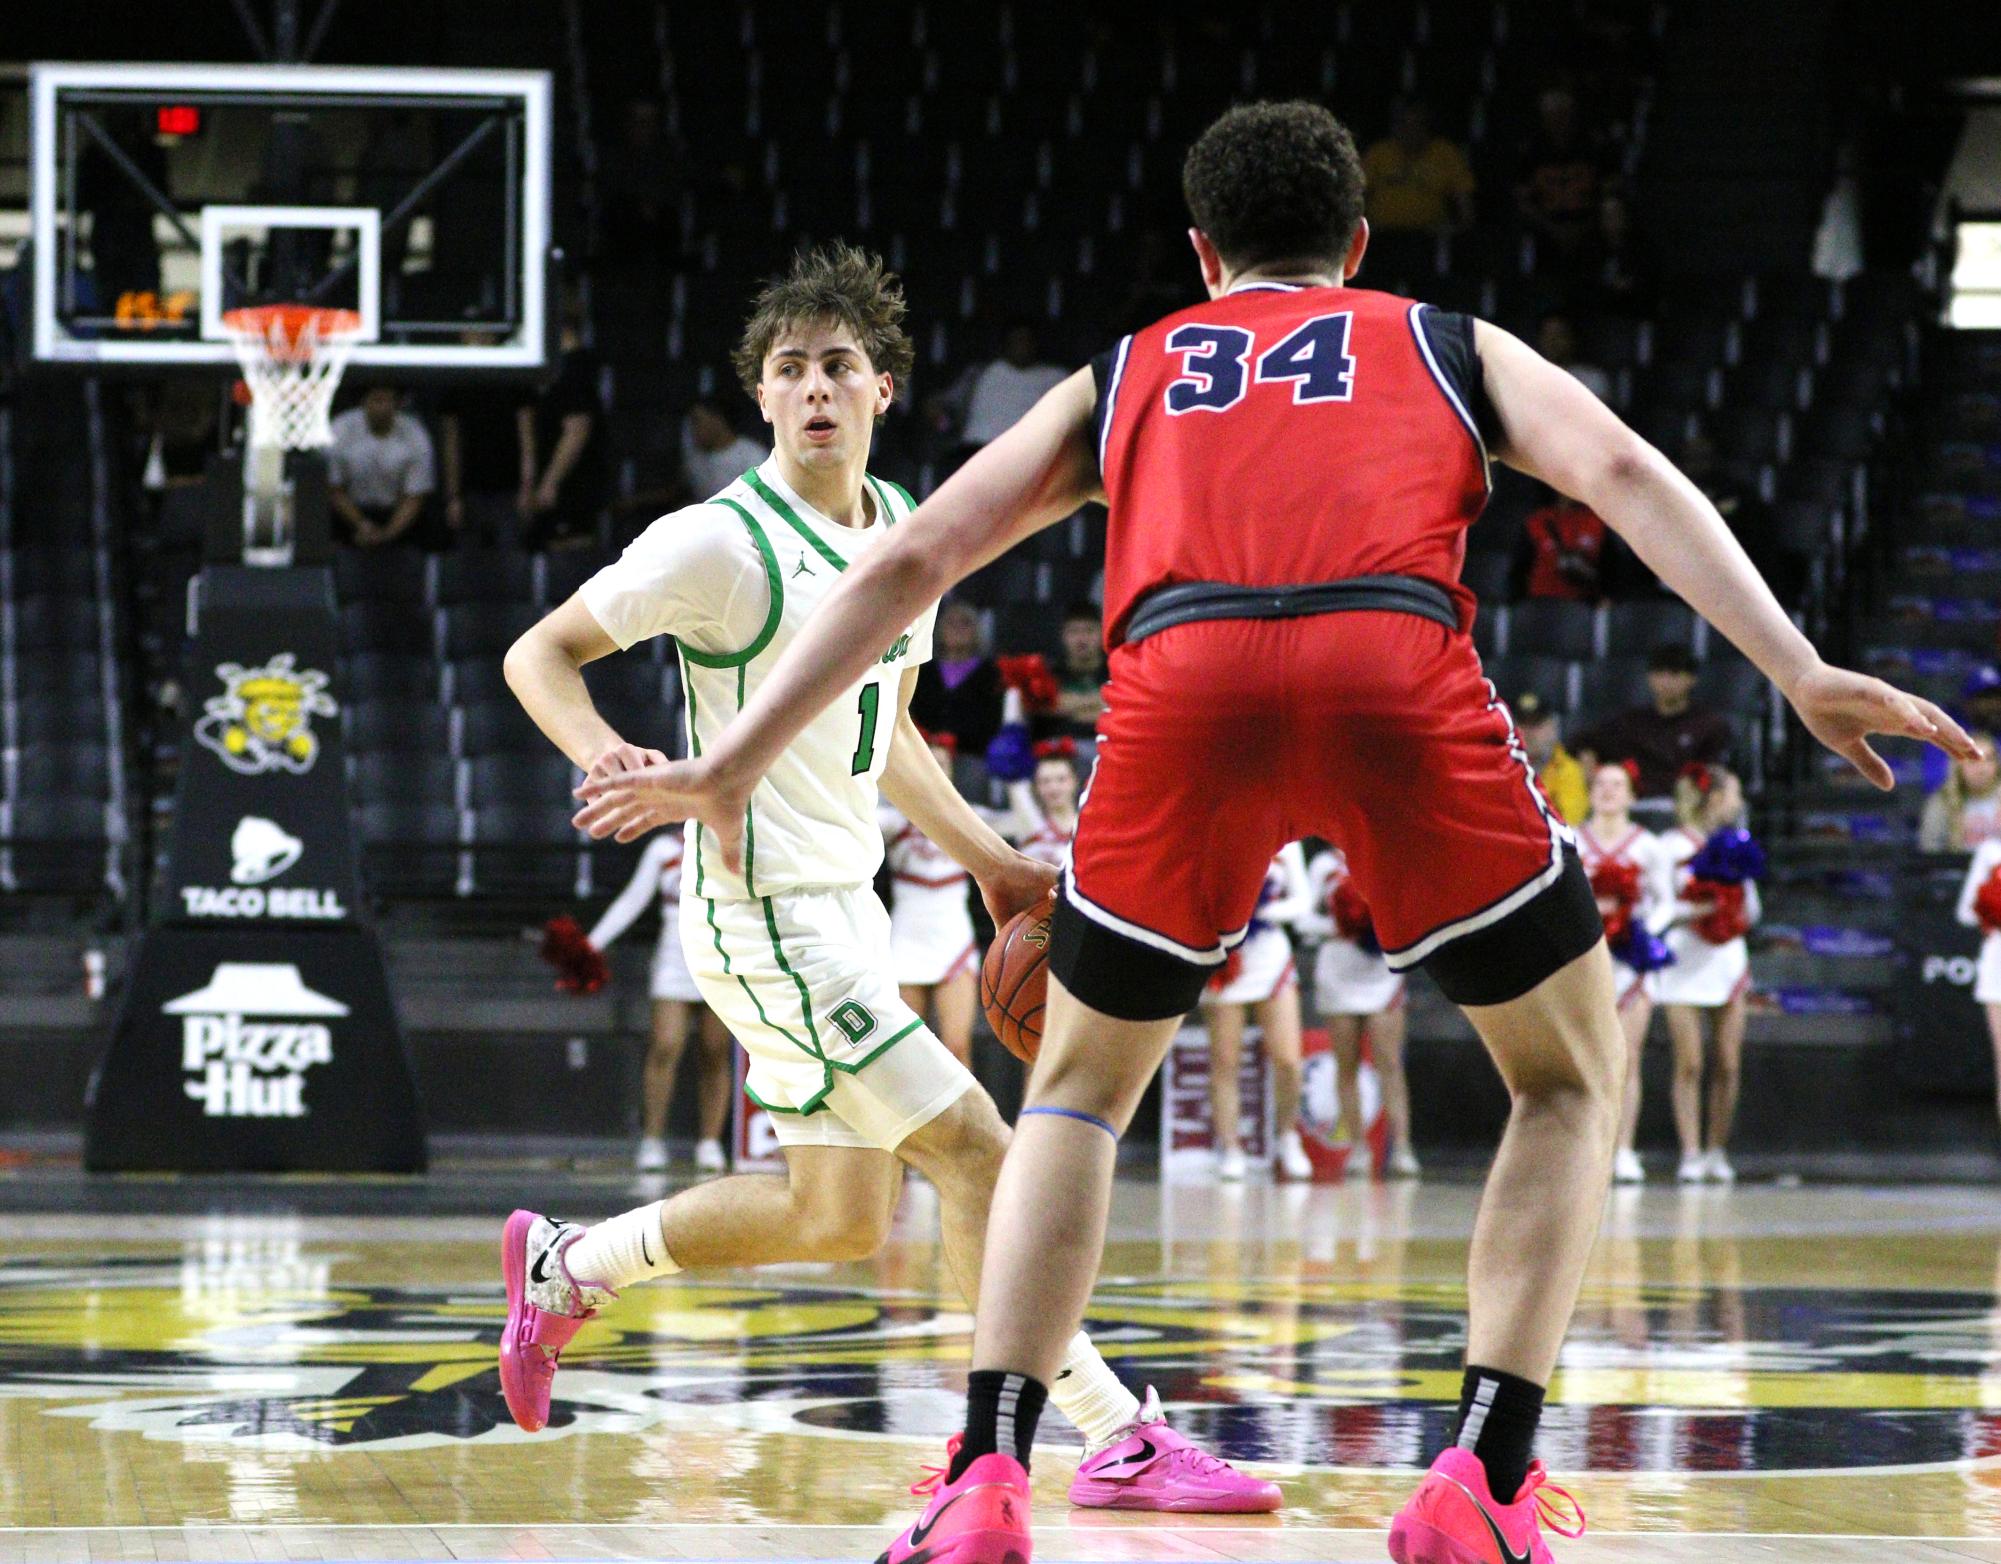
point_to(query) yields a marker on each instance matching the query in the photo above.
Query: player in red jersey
(1291, 469)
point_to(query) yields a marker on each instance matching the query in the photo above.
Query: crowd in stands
(549, 468)
(1034, 222)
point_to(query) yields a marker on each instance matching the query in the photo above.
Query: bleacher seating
(1011, 160)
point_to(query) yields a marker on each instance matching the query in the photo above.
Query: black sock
(1002, 1410)
(1498, 1414)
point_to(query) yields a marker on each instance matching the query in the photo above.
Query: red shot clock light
(177, 119)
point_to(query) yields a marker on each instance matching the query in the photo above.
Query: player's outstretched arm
(1038, 472)
(914, 782)
(1555, 430)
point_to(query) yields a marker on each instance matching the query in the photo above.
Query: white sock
(622, 1251)
(1090, 1395)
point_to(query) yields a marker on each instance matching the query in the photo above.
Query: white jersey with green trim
(732, 580)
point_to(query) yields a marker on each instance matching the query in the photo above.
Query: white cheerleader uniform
(1704, 975)
(1267, 954)
(1049, 843)
(1650, 854)
(1032, 832)
(1347, 979)
(1987, 976)
(930, 920)
(659, 873)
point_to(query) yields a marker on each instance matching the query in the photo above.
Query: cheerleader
(1980, 907)
(674, 991)
(931, 922)
(1353, 987)
(1711, 971)
(1260, 976)
(1045, 807)
(1632, 875)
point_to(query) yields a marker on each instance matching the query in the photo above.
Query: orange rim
(292, 322)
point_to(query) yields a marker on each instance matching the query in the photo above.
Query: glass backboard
(162, 196)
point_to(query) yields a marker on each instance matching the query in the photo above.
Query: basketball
(1014, 980)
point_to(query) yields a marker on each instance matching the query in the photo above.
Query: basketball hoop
(292, 357)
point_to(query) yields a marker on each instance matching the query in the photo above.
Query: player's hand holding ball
(1018, 884)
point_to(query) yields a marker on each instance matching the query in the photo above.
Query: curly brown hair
(838, 283)
(1275, 182)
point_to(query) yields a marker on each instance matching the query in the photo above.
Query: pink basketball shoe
(980, 1519)
(545, 1307)
(1454, 1519)
(1153, 1468)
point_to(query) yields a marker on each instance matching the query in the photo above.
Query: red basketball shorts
(1225, 739)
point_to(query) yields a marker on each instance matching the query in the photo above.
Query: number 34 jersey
(732, 581)
(1284, 435)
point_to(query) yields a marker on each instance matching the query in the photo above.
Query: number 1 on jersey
(870, 701)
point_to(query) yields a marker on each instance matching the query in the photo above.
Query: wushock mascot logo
(263, 719)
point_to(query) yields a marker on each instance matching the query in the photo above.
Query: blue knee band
(1073, 1113)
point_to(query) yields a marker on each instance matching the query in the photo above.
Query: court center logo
(258, 1345)
(263, 720)
(249, 1036)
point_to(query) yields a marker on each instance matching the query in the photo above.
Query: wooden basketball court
(1764, 1373)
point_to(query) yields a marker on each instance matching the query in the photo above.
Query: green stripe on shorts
(876, 1052)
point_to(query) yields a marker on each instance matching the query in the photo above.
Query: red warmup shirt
(1285, 435)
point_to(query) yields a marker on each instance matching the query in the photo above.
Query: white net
(292, 358)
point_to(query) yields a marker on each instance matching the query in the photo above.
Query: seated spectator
(713, 454)
(1670, 732)
(990, 398)
(1966, 812)
(959, 690)
(1564, 175)
(1417, 180)
(1747, 515)
(563, 479)
(1561, 778)
(1563, 552)
(380, 470)
(1556, 340)
(1080, 676)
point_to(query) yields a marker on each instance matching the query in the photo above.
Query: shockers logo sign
(249, 1037)
(262, 721)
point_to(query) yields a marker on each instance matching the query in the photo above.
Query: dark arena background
(289, 1015)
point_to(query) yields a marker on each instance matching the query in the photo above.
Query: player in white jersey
(658, 874)
(1353, 988)
(931, 942)
(1260, 978)
(1980, 908)
(1632, 875)
(793, 950)
(1045, 806)
(1708, 976)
